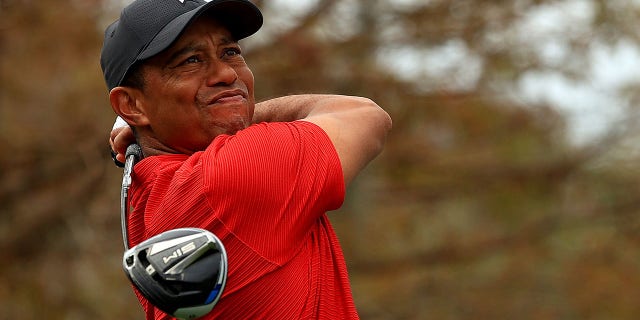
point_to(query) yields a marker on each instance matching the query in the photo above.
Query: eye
(230, 52)
(191, 59)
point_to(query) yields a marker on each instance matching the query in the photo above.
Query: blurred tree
(59, 239)
(481, 206)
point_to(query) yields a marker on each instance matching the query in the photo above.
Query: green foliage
(480, 207)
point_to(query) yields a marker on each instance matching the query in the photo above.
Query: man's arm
(356, 126)
(287, 108)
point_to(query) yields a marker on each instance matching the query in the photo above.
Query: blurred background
(508, 189)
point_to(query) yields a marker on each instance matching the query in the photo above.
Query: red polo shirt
(264, 192)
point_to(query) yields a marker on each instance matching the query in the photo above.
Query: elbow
(380, 124)
(386, 121)
(381, 118)
(385, 125)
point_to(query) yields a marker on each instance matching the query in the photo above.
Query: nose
(221, 73)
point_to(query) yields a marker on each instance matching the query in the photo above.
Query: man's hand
(120, 138)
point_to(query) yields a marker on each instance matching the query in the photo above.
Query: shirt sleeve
(270, 183)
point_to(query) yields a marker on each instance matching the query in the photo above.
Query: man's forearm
(288, 108)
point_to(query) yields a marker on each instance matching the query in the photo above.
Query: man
(259, 176)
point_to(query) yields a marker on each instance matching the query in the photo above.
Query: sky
(592, 105)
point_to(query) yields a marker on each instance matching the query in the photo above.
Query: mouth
(230, 96)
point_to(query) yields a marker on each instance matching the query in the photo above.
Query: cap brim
(241, 17)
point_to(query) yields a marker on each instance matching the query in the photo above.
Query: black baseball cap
(147, 27)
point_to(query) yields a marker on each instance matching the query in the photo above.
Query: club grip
(134, 150)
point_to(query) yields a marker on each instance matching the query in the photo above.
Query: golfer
(259, 176)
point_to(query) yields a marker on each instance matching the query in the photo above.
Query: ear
(126, 102)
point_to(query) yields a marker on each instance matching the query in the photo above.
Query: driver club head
(181, 271)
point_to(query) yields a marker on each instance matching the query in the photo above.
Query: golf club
(181, 271)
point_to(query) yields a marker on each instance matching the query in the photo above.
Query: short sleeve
(272, 182)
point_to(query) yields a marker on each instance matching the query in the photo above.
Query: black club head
(182, 271)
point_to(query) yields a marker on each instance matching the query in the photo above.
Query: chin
(240, 123)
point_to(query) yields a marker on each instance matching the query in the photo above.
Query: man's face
(198, 88)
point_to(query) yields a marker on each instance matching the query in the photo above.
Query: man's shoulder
(275, 126)
(262, 141)
(273, 133)
(166, 165)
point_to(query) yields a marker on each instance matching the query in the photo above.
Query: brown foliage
(479, 207)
